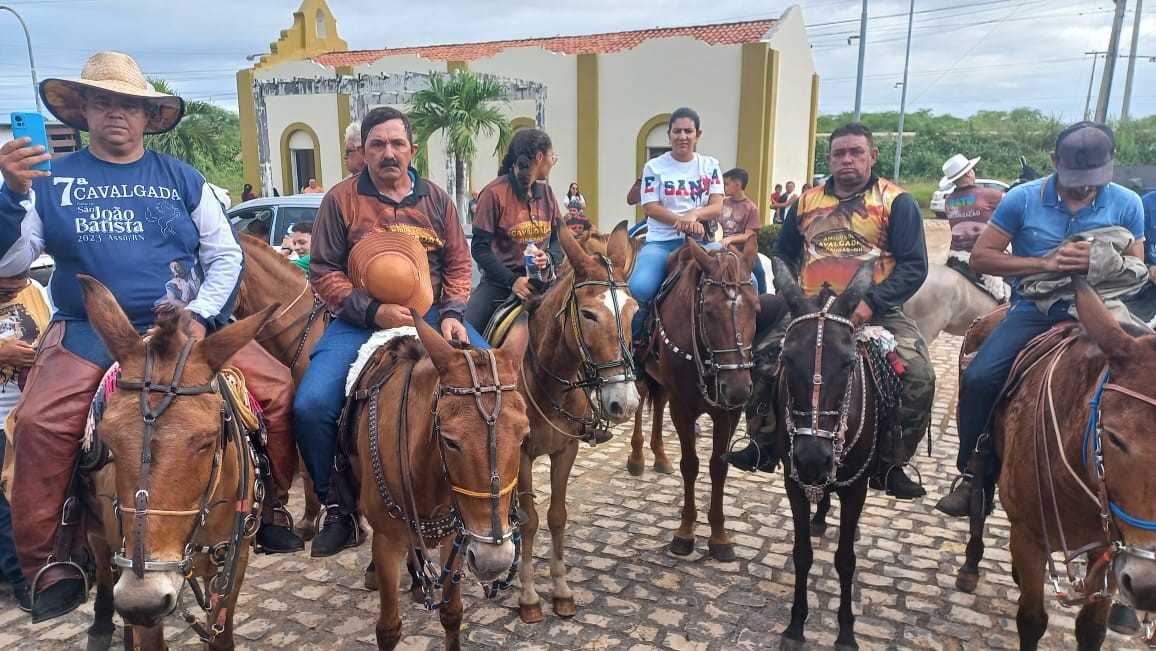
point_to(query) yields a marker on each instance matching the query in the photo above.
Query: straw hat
(392, 268)
(115, 73)
(955, 167)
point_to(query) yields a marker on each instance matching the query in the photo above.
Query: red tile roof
(724, 34)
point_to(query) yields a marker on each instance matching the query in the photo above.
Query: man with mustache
(1038, 219)
(389, 195)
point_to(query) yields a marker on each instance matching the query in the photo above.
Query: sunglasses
(9, 292)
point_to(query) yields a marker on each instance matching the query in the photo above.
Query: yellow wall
(587, 130)
(640, 157)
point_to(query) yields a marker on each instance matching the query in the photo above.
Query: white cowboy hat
(955, 167)
(112, 72)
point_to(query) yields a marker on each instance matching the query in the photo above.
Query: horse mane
(165, 340)
(270, 260)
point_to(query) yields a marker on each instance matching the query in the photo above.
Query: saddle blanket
(376, 340)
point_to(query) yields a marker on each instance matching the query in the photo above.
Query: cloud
(983, 55)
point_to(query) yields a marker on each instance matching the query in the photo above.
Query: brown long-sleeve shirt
(353, 208)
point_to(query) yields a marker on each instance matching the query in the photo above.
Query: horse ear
(518, 338)
(860, 283)
(220, 346)
(574, 251)
(1102, 327)
(439, 350)
(785, 282)
(618, 248)
(750, 253)
(109, 320)
(700, 255)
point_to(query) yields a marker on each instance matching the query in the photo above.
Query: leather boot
(957, 503)
(55, 405)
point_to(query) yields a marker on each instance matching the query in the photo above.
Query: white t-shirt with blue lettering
(151, 230)
(679, 187)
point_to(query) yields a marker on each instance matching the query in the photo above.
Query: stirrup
(33, 593)
(280, 508)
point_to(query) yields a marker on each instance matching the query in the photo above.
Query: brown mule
(290, 334)
(441, 473)
(1075, 446)
(178, 502)
(701, 364)
(577, 373)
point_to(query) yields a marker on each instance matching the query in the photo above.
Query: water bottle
(529, 257)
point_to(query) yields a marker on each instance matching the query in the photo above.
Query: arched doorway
(299, 151)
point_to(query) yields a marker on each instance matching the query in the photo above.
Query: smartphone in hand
(31, 125)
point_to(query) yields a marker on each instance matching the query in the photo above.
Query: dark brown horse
(700, 364)
(441, 471)
(292, 332)
(1076, 447)
(180, 500)
(826, 432)
(577, 373)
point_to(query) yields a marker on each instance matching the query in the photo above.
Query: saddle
(504, 317)
(1035, 351)
(675, 265)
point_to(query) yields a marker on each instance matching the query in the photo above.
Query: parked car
(270, 217)
(939, 205)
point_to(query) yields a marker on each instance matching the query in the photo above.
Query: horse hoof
(563, 607)
(99, 641)
(966, 581)
(724, 552)
(307, 531)
(818, 530)
(663, 466)
(788, 644)
(681, 546)
(370, 580)
(635, 468)
(530, 613)
(416, 595)
(852, 646)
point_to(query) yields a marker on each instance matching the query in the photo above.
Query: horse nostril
(615, 407)
(168, 603)
(471, 558)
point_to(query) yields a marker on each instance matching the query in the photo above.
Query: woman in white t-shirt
(681, 190)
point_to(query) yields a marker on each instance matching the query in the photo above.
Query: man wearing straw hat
(969, 209)
(384, 242)
(127, 216)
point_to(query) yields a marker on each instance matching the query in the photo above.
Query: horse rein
(705, 360)
(590, 379)
(840, 446)
(224, 555)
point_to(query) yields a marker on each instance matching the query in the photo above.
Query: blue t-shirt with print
(1037, 221)
(129, 225)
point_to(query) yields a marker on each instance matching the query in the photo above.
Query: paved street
(633, 594)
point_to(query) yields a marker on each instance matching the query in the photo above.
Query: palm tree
(463, 107)
(206, 138)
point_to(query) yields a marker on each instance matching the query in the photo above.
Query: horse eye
(1115, 440)
(205, 447)
(587, 314)
(452, 444)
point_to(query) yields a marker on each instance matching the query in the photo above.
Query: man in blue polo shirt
(1036, 218)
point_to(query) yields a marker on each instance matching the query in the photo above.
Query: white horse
(945, 302)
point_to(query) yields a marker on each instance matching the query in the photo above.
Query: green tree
(462, 107)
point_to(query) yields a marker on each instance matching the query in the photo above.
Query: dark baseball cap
(1084, 155)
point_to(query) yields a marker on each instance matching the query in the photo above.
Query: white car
(938, 204)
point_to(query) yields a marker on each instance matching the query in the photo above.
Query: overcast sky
(980, 55)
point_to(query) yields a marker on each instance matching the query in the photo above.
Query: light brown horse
(1076, 447)
(292, 332)
(183, 478)
(441, 473)
(577, 373)
(700, 364)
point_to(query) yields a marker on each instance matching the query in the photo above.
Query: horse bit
(840, 446)
(590, 380)
(708, 364)
(224, 555)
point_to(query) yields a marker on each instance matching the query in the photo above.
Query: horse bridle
(706, 360)
(310, 318)
(590, 379)
(840, 445)
(224, 555)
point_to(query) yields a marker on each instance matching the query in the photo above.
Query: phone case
(31, 125)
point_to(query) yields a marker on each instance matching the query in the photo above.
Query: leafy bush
(767, 236)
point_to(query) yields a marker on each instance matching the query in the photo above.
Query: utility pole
(903, 97)
(862, 55)
(1110, 63)
(1131, 62)
(32, 61)
(1092, 77)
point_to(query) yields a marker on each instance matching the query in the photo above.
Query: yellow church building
(604, 99)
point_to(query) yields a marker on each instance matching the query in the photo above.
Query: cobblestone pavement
(633, 594)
